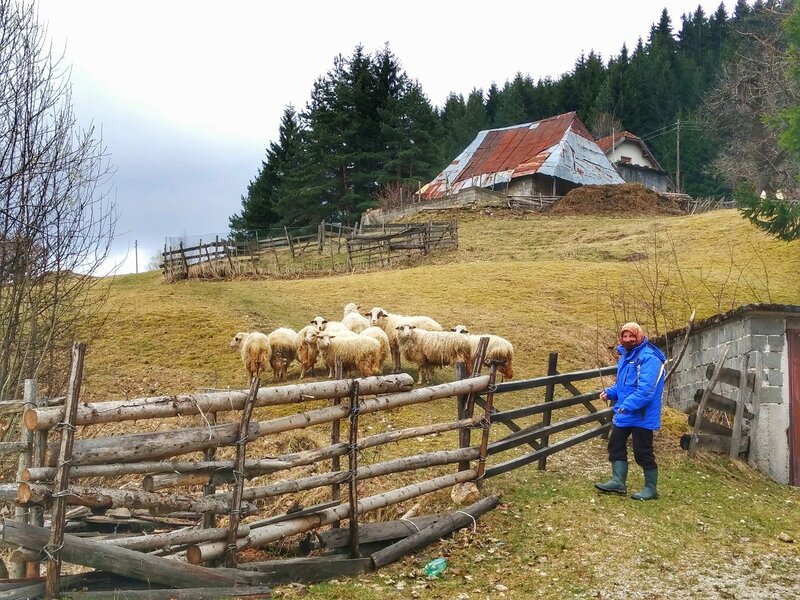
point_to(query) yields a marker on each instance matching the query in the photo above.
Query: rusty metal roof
(559, 146)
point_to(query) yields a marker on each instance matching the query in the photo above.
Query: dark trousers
(642, 446)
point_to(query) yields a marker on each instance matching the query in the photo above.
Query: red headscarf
(635, 329)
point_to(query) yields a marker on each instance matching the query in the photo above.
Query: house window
(625, 160)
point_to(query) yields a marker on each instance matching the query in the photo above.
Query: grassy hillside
(548, 284)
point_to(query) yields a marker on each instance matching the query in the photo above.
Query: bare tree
(56, 218)
(744, 109)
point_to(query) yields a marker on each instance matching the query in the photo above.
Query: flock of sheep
(362, 344)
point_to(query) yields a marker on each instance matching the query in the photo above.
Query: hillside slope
(548, 284)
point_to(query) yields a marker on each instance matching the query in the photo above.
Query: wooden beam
(526, 384)
(461, 518)
(721, 403)
(713, 443)
(192, 404)
(206, 593)
(309, 570)
(738, 417)
(730, 376)
(121, 561)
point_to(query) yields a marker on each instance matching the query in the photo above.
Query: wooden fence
(158, 460)
(332, 248)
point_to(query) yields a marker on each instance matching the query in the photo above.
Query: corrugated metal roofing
(560, 146)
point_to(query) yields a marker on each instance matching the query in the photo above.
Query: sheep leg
(395, 358)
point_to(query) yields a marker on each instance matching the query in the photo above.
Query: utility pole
(678, 156)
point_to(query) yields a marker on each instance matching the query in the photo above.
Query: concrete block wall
(745, 335)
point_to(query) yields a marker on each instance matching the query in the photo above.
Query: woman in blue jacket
(636, 397)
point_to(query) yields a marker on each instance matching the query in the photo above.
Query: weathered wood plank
(309, 570)
(121, 561)
(227, 593)
(714, 443)
(721, 403)
(730, 376)
(704, 399)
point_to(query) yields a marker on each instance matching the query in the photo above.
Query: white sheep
(307, 350)
(355, 351)
(255, 351)
(283, 343)
(499, 349)
(322, 324)
(380, 335)
(354, 320)
(390, 322)
(430, 349)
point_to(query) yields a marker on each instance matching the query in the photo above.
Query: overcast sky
(188, 94)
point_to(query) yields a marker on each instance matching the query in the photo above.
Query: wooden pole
(22, 513)
(159, 407)
(487, 424)
(122, 561)
(209, 454)
(60, 482)
(241, 448)
(461, 518)
(37, 461)
(754, 422)
(264, 535)
(549, 393)
(147, 446)
(352, 487)
(468, 408)
(738, 418)
(219, 471)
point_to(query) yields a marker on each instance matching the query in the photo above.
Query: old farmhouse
(634, 161)
(545, 158)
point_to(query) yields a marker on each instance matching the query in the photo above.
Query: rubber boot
(649, 491)
(619, 470)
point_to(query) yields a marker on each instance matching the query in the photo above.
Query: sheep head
(319, 323)
(376, 314)
(460, 329)
(237, 340)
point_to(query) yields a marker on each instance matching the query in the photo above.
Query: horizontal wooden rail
(526, 384)
(521, 461)
(537, 409)
(523, 437)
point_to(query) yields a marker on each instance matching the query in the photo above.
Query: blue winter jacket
(640, 382)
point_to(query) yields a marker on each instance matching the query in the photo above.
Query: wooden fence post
(37, 460)
(738, 417)
(61, 479)
(547, 416)
(209, 518)
(239, 475)
(22, 514)
(487, 425)
(352, 483)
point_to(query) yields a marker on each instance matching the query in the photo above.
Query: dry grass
(543, 282)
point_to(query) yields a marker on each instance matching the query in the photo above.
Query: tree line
(369, 135)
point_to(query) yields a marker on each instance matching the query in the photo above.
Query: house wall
(746, 334)
(654, 180)
(632, 151)
(539, 185)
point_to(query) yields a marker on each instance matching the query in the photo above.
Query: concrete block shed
(773, 330)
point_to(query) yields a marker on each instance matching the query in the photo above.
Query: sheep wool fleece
(640, 383)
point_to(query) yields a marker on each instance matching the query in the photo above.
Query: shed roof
(559, 146)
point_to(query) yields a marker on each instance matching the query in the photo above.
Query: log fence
(171, 465)
(332, 248)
